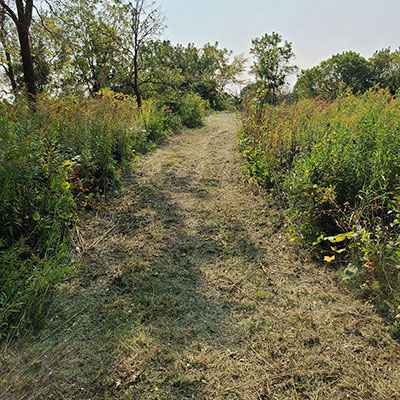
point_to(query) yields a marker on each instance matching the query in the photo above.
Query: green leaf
(350, 272)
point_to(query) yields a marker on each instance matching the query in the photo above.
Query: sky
(317, 29)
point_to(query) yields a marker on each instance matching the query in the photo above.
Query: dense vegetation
(330, 153)
(62, 158)
(336, 167)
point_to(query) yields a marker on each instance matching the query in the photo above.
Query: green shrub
(172, 120)
(151, 118)
(190, 108)
(99, 136)
(337, 167)
(35, 195)
(36, 210)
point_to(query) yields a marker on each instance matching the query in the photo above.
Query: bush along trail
(188, 287)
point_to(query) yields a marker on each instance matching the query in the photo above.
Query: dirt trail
(188, 290)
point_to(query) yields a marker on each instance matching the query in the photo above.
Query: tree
(207, 71)
(386, 66)
(159, 74)
(272, 62)
(210, 70)
(146, 23)
(21, 15)
(76, 46)
(90, 36)
(327, 78)
(45, 36)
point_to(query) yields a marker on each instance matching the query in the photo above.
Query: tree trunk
(27, 61)
(22, 20)
(136, 83)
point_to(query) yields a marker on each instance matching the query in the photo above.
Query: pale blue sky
(317, 29)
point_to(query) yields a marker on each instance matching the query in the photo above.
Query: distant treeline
(350, 70)
(346, 72)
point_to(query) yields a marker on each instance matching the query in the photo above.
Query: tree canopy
(327, 78)
(81, 46)
(272, 62)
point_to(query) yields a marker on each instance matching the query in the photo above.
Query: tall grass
(336, 166)
(64, 157)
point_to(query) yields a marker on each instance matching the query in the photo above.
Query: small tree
(147, 23)
(272, 62)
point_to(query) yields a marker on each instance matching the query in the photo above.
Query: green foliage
(190, 108)
(83, 46)
(272, 63)
(152, 119)
(53, 162)
(169, 70)
(33, 180)
(386, 65)
(337, 167)
(36, 209)
(327, 79)
(207, 71)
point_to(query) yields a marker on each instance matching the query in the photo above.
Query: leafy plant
(190, 107)
(336, 166)
(52, 163)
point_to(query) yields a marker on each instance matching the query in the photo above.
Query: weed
(336, 166)
(64, 157)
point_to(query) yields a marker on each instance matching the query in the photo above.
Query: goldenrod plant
(336, 166)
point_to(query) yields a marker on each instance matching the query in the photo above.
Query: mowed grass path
(189, 289)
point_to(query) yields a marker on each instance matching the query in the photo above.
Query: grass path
(188, 290)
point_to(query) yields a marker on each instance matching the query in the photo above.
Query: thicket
(336, 167)
(61, 158)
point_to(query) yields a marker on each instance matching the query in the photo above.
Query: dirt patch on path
(187, 291)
